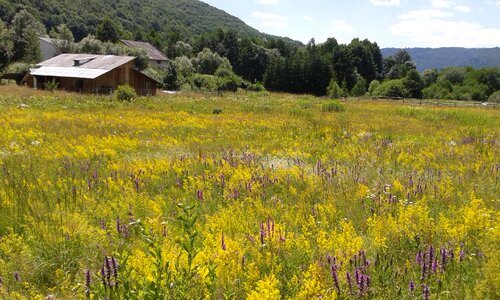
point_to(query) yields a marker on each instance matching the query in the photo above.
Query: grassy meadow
(246, 196)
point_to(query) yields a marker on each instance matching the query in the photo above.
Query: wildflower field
(246, 196)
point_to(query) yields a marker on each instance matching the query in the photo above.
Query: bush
(217, 111)
(495, 97)
(391, 88)
(256, 87)
(51, 85)
(125, 93)
(334, 90)
(332, 105)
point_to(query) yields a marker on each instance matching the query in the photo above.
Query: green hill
(138, 18)
(429, 58)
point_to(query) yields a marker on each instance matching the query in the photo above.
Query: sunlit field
(246, 196)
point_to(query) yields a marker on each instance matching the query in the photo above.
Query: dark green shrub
(125, 93)
(256, 87)
(51, 85)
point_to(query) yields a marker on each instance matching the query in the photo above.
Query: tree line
(224, 60)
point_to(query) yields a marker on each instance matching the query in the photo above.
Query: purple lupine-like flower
(444, 258)
(335, 278)
(114, 267)
(118, 225)
(102, 224)
(223, 243)
(431, 254)
(424, 271)
(462, 255)
(434, 265)
(243, 259)
(282, 238)
(357, 277)
(1, 282)
(426, 292)
(107, 264)
(199, 195)
(136, 185)
(17, 277)
(411, 287)
(349, 281)
(103, 277)
(87, 282)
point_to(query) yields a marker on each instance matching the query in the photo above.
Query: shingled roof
(153, 53)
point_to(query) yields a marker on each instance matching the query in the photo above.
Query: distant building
(156, 58)
(90, 73)
(47, 48)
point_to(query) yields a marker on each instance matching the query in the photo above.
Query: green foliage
(108, 31)
(6, 46)
(391, 88)
(25, 33)
(429, 77)
(359, 89)
(125, 93)
(256, 87)
(413, 84)
(464, 84)
(204, 82)
(51, 85)
(495, 97)
(207, 62)
(170, 79)
(332, 105)
(334, 90)
(63, 39)
(373, 85)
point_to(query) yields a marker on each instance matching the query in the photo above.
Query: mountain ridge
(439, 58)
(137, 17)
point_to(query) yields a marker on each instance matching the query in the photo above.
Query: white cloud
(444, 33)
(442, 3)
(425, 14)
(463, 8)
(341, 26)
(308, 18)
(498, 3)
(266, 2)
(386, 2)
(271, 20)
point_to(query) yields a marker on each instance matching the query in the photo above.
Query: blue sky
(390, 23)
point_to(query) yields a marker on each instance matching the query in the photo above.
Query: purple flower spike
(17, 277)
(426, 292)
(87, 282)
(335, 278)
(103, 276)
(418, 257)
(434, 265)
(114, 267)
(411, 287)
(223, 243)
(349, 281)
(118, 225)
(243, 258)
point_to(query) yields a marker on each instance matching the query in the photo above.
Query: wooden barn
(90, 73)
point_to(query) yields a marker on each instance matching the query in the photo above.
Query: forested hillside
(140, 19)
(429, 58)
